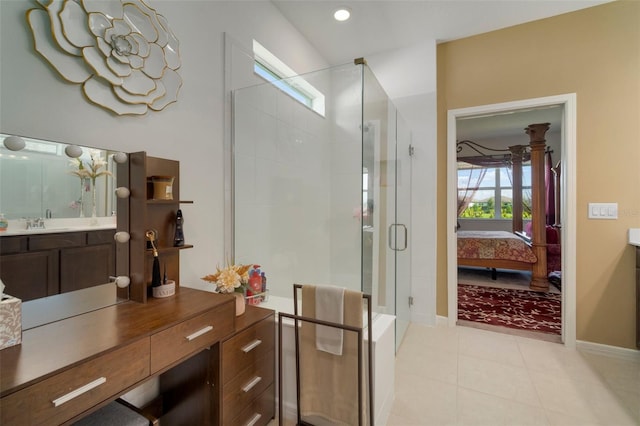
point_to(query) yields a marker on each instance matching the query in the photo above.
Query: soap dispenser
(4, 223)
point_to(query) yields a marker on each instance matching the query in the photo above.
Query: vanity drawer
(190, 336)
(56, 241)
(101, 237)
(247, 386)
(258, 412)
(246, 347)
(65, 395)
(12, 245)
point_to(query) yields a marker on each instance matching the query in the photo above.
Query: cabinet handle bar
(251, 384)
(251, 345)
(200, 332)
(254, 419)
(75, 393)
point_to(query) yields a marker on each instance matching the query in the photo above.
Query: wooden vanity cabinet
(65, 370)
(40, 265)
(247, 370)
(638, 297)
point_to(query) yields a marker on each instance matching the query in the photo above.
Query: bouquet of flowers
(232, 278)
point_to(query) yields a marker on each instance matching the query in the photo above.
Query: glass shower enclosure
(322, 186)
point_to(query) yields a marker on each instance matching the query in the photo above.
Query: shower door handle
(393, 239)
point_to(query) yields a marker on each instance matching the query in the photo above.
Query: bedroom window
(272, 69)
(481, 189)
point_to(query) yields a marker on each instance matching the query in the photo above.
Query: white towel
(329, 307)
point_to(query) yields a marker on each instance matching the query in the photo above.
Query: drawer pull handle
(200, 332)
(254, 419)
(251, 345)
(251, 384)
(86, 388)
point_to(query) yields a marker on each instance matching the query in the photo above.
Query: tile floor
(467, 376)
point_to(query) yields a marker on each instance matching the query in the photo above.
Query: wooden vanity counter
(121, 346)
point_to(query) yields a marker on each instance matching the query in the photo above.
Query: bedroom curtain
(549, 183)
(466, 192)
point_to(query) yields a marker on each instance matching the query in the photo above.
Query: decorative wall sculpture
(122, 52)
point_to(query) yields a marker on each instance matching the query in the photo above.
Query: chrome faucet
(35, 223)
(48, 214)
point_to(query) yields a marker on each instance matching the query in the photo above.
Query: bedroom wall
(594, 53)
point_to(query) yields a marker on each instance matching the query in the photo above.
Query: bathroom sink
(10, 231)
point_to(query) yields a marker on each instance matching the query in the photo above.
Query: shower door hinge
(410, 301)
(412, 150)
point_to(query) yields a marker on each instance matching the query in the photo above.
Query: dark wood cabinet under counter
(67, 369)
(39, 265)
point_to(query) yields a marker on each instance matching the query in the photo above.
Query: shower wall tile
(263, 97)
(265, 136)
(284, 107)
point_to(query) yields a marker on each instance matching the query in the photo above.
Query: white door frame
(568, 204)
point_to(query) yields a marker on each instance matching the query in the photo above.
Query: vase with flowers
(95, 170)
(81, 172)
(232, 279)
(89, 172)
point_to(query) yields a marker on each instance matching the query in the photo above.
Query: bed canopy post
(517, 152)
(536, 132)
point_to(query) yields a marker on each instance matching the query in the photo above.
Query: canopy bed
(516, 249)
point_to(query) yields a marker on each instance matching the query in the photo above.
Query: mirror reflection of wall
(41, 181)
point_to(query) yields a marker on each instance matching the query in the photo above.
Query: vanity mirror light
(62, 206)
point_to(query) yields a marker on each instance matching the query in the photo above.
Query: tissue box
(10, 321)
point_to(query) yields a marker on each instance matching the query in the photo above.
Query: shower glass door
(403, 222)
(386, 177)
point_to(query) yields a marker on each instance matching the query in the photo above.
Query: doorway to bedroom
(508, 204)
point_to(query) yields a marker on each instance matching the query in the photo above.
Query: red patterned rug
(519, 309)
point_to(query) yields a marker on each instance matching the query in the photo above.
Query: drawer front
(65, 395)
(247, 386)
(246, 347)
(258, 412)
(10, 245)
(191, 336)
(101, 237)
(55, 241)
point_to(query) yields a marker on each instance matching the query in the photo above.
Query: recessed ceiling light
(342, 14)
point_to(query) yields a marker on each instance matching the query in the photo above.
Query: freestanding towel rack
(359, 331)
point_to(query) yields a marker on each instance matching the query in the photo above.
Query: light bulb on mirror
(73, 151)
(120, 157)
(122, 281)
(122, 192)
(14, 143)
(121, 236)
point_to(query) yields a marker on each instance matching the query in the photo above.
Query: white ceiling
(386, 25)
(508, 124)
(381, 25)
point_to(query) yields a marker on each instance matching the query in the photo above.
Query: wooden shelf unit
(146, 213)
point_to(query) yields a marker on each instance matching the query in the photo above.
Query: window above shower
(273, 70)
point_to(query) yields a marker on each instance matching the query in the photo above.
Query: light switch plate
(603, 211)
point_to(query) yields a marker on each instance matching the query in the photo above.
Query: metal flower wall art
(122, 52)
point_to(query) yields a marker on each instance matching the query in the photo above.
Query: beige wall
(594, 53)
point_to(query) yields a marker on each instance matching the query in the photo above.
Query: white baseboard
(610, 351)
(440, 320)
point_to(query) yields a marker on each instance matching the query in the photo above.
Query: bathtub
(383, 335)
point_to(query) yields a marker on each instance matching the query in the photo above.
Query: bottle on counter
(4, 223)
(178, 240)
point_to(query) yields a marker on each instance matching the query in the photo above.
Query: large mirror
(41, 180)
(59, 217)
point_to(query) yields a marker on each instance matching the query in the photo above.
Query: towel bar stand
(359, 331)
